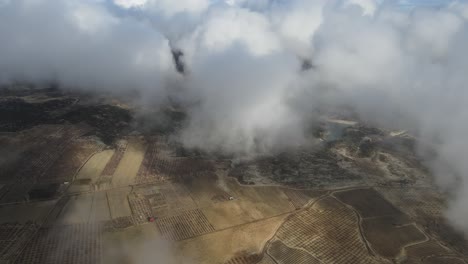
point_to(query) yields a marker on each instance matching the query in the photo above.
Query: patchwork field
(92, 187)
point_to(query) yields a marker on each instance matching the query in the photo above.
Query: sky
(405, 3)
(416, 3)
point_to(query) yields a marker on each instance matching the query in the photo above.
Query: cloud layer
(244, 79)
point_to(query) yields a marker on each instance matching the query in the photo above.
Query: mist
(244, 87)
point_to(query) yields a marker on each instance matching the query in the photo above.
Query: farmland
(71, 194)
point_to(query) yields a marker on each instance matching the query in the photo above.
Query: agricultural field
(328, 231)
(77, 189)
(284, 254)
(88, 177)
(128, 166)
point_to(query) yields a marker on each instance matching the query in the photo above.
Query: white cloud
(130, 3)
(169, 8)
(82, 45)
(226, 27)
(91, 19)
(297, 23)
(368, 6)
